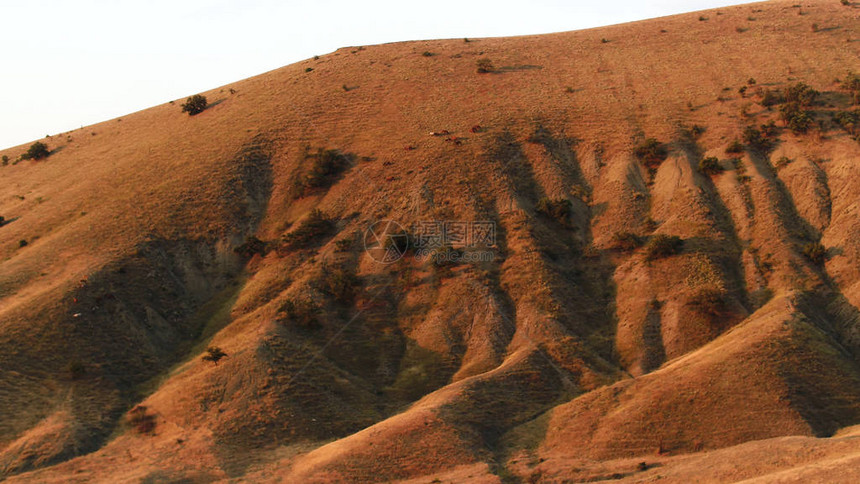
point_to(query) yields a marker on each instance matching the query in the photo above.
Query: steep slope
(571, 337)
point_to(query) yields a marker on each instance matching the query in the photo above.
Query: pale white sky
(68, 64)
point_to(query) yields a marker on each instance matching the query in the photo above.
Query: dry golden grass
(562, 358)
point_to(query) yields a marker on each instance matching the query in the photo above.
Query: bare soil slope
(591, 345)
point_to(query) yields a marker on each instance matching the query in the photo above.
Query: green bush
(5, 160)
(710, 166)
(800, 93)
(815, 252)
(651, 152)
(558, 209)
(756, 140)
(848, 120)
(662, 245)
(795, 117)
(36, 151)
(196, 104)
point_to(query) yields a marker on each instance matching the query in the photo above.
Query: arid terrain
(672, 292)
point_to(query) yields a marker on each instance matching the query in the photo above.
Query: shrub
(557, 208)
(751, 81)
(340, 283)
(800, 93)
(815, 252)
(710, 166)
(326, 165)
(848, 120)
(301, 312)
(662, 245)
(314, 226)
(795, 117)
(756, 140)
(626, 241)
(852, 82)
(214, 354)
(769, 130)
(782, 161)
(428, 54)
(742, 91)
(36, 151)
(696, 130)
(251, 247)
(770, 98)
(709, 300)
(651, 152)
(485, 65)
(141, 421)
(196, 104)
(735, 148)
(5, 160)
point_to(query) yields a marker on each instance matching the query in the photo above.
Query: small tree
(195, 104)
(710, 166)
(37, 151)
(214, 354)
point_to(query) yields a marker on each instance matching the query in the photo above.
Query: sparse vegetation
(770, 98)
(710, 166)
(756, 140)
(651, 153)
(325, 165)
(301, 312)
(251, 247)
(141, 420)
(848, 120)
(5, 160)
(36, 151)
(214, 354)
(795, 118)
(195, 104)
(815, 252)
(662, 245)
(710, 299)
(735, 148)
(485, 66)
(782, 161)
(558, 209)
(340, 283)
(313, 227)
(800, 93)
(626, 241)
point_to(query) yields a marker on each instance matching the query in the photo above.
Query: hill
(610, 305)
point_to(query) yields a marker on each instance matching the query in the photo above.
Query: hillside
(583, 342)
